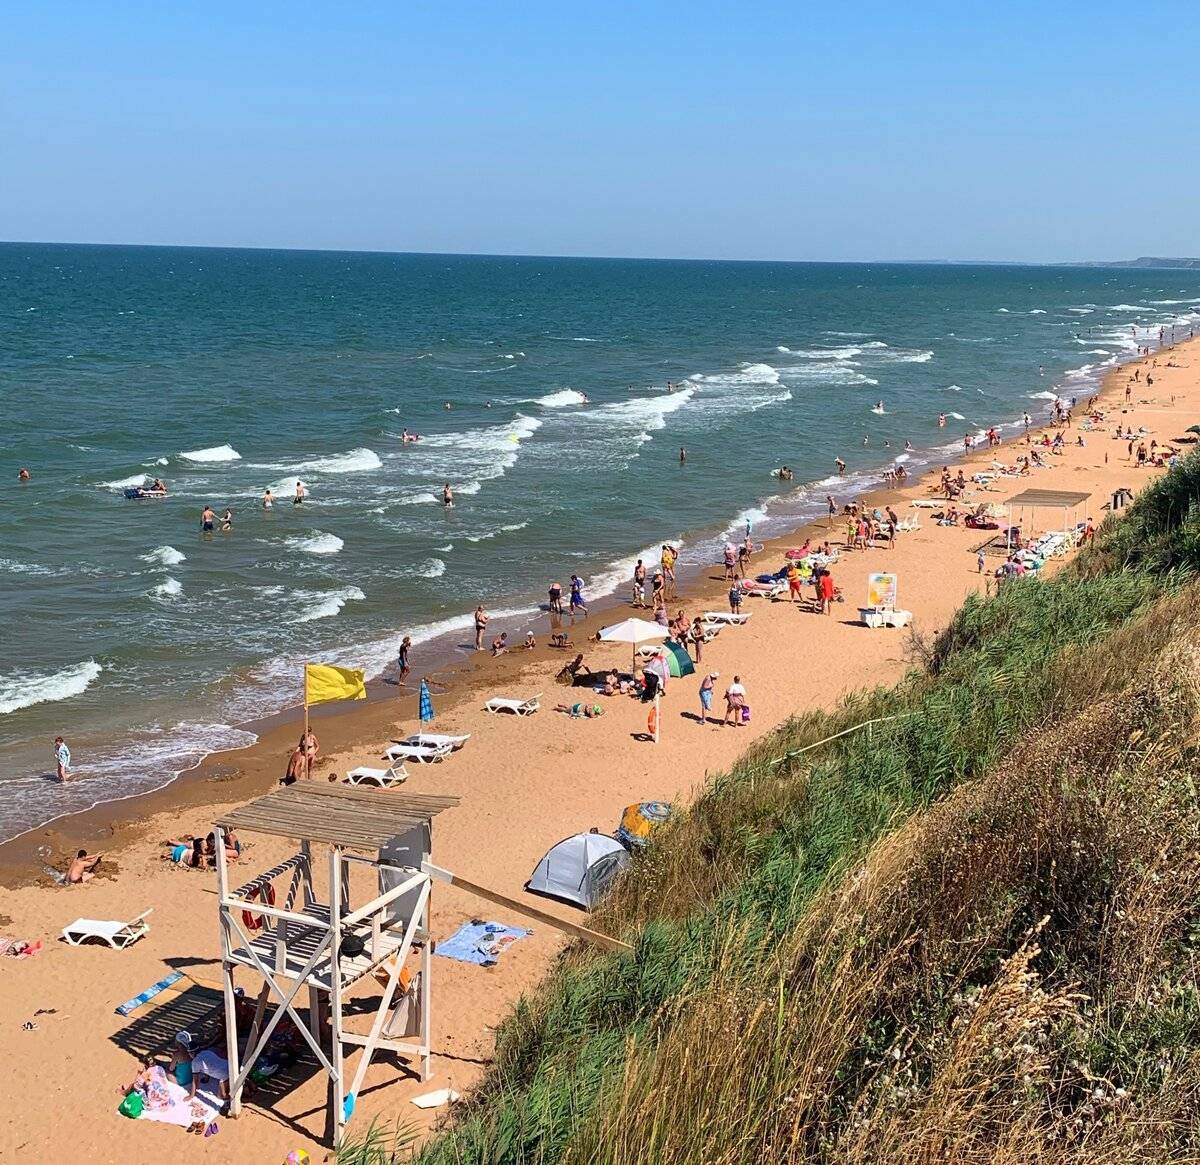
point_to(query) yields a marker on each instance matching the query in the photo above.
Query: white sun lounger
(423, 754)
(118, 935)
(384, 778)
(436, 739)
(519, 707)
(726, 617)
(765, 590)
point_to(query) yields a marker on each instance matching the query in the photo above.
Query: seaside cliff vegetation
(964, 932)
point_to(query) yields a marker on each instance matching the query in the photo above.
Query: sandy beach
(525, 783)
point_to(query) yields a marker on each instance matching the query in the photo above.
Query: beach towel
(480, 943)
(169, 1104)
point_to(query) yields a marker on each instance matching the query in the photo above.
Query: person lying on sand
(82, 866)
(576, 711)
(188, 852)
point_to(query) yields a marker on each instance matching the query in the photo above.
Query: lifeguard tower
(328, 947)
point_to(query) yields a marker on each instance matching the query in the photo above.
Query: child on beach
(62, 758)
(735, 599)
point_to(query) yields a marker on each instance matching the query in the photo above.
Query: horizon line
(595, 258)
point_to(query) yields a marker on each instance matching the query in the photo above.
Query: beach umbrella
(678, 661)
(639, 821)
(426, 703)
(633, 631)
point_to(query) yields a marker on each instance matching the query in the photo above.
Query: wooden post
(231, 1037)
(426, 987)
(335, 994)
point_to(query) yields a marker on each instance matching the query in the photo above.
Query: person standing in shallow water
(447, 496)
(481, 622)
(62, 759)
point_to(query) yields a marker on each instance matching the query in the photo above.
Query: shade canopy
(359, 819)
(1050, 498)
(633, 631)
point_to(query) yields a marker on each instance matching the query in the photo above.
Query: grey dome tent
(579, 869)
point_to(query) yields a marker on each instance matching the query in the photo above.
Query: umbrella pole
(657, 715)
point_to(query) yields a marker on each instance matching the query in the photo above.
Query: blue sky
(787, 131)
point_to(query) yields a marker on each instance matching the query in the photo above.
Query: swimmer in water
(908, 446)
(447, 496)
(207, 520)
(300, 492)
(268, 500)
(447, 406)
(159, 486)
(227, 520)
(941, 420)
(22, 474)
(682, 455)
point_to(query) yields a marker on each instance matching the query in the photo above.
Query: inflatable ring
(267, 894)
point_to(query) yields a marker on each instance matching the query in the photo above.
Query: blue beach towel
(480, 943)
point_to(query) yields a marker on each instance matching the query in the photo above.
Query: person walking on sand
(405, 648)
(832, 507)
(706, 695)
(735, 702)
(62, 759)
(639, 584)
(980, 562)
(481, 622)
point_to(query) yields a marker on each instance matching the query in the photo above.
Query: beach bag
(132, 1105)
(745, 713)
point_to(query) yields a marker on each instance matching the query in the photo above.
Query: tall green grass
(587, 1066)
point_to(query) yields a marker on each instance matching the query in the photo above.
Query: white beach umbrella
(633, 631)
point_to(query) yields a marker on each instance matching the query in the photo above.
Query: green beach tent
(678, 660)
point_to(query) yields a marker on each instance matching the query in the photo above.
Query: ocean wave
(1042, 395)
(130, 482)
(425, 568)
(215, 454)
(12, 566)
(851, 335)
(1037, 311)
(560, 399)
(1173, 302)
(1082, 311)
(478, 454)
(164, 556)
(752, 515)
(957, 416)
(325, 604)
(1002, 310)
(315, 543)
(24, 689)
(620, 573)
(833, 374)
(416, 498)
(845, 352)
(355, 461)
(512, 355)
(954, 388)
(511, 528)
(1128, 307)
(907, 356)
(168, 589)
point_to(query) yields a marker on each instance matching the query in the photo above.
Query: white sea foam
(1042, 395)
(840, 373)
(845, 352)
(169, 588)
(1128, 307)
(164, 556)
(957, 416)
(907, 356)
(425, 568)
(1173, 302)
(852, 335)
(416, 498)
(355, 461)
(1082, 311)
(1002, 309)
(24, 689)
(511, 528)
(752, 514)
(130, 482)
(315, 543)
(325, 604)
(215, 454)
(484, 454)
(954, 388)
(1037, 311)
(560, 399)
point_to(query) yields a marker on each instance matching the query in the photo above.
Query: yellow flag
(324, 682)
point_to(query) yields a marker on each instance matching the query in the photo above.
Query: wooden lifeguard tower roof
(360, 819)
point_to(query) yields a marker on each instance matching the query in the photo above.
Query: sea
(554, 395)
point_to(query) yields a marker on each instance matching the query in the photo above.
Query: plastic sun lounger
(423, 754)
(117, 935)
(384, 778)
(436, 739)
(726, 617)
(499, 704)
(764, 590)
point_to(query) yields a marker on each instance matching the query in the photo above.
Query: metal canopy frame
(299, 944)
(1049, 499)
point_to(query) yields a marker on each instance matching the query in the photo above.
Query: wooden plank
(494, 896)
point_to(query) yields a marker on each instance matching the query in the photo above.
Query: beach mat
(480, 943)
(180, 1110)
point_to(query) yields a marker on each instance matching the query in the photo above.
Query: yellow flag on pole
(324, 682)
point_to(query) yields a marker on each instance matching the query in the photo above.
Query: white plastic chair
(528, 707)
(384, 778)
(421, 753)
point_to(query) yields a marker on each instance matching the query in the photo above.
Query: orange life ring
(652, 722)
(255, 921)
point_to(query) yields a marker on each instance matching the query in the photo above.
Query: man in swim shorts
(447, 496)
(300, 491)
(208, 519)
(81, 867)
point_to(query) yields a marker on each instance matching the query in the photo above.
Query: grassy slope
(955, 935)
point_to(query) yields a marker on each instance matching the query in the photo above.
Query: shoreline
(246, 771)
